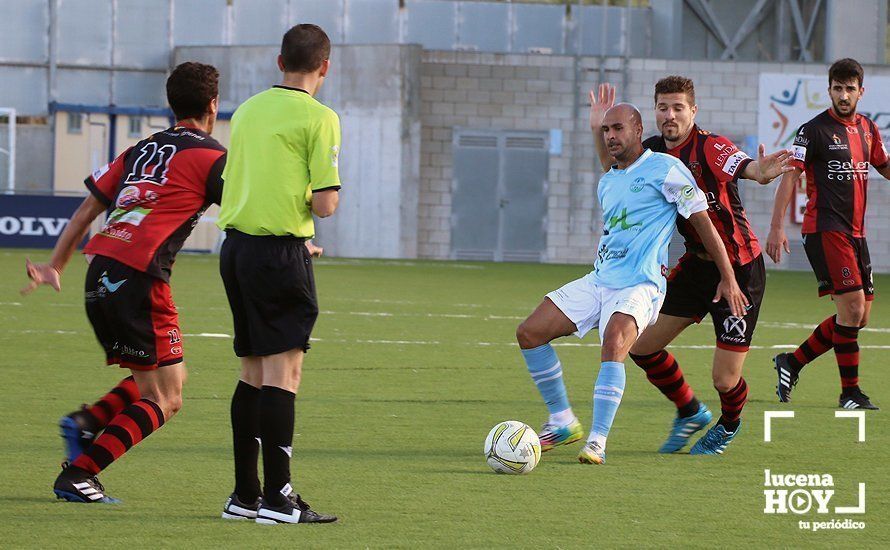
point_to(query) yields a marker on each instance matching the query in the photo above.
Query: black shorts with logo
(841, 263)
(133, 316)
(692, 285)
(271, 291)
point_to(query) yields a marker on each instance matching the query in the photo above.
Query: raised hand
(600, 102)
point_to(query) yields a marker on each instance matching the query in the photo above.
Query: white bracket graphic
(767, 422)
(860, 509)
(854, 414)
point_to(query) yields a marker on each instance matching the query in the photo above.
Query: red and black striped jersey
(836, 154)
(155, 192)
(716, 163)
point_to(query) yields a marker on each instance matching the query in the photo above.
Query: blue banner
(31, 221)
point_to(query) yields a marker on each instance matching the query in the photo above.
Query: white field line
(42, 332)
(763, 324)
(401, 302)
(427, 315)
(211, 258)
(220, 335)
(760, 324)
(398, 263)
(813, 326)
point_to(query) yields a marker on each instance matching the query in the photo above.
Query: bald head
(626, 113)
(623, 133)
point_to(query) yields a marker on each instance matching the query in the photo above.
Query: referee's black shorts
(271, 291)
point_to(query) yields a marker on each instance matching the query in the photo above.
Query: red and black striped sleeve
(104, 181)
(804, 147)
(214, 182)
(878, 155)
(725, 160)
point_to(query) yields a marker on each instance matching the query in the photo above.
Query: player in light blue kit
(641, 196)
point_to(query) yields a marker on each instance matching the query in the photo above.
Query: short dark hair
(844, 70)
(304, 48)
(190, 89)
(675, 85)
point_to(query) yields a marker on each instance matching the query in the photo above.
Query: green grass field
(414, 363)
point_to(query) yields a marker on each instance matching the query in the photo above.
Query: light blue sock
(546, 371)
(606, 398)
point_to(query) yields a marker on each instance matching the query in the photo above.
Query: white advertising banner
(786, 101)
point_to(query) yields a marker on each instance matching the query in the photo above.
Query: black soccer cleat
(855, 399)
(78, 430)
(235, 509)
(787, 377)
(76, 485)
(294, 510)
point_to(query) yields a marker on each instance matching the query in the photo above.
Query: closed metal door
(524, 166)
(475, 197)
(499, 195)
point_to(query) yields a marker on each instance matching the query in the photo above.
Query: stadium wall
(534, 92)
(399, 105)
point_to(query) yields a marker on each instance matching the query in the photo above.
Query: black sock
(277, 433)
(689, 409)
(729, 426)
(245, 431)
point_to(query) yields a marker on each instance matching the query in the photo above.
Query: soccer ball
(512, 448)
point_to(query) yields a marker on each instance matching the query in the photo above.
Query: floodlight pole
(10, 185)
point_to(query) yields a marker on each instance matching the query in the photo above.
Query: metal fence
(117, 52)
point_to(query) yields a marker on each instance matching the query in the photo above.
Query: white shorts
(590, 306)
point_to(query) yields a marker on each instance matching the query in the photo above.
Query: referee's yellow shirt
(284, 145)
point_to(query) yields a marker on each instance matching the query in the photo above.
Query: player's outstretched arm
(728, 288)
(601, 101)
(777, 241)
(51, 273)
(768, 167)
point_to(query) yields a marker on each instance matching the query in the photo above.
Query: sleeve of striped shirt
(679, 188)
(324, 158)
(801, 151)
(214, 183)
(878, 154)
(104, 181)
(726, 161)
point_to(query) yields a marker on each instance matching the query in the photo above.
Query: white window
(75, 123)
(135, 128)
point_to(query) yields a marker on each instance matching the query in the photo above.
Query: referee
(281, 169)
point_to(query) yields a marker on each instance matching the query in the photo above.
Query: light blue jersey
(640, 206)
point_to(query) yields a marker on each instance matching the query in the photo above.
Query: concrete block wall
(536, 92)
(518, 92)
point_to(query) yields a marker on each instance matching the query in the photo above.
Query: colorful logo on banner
(788, 101)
